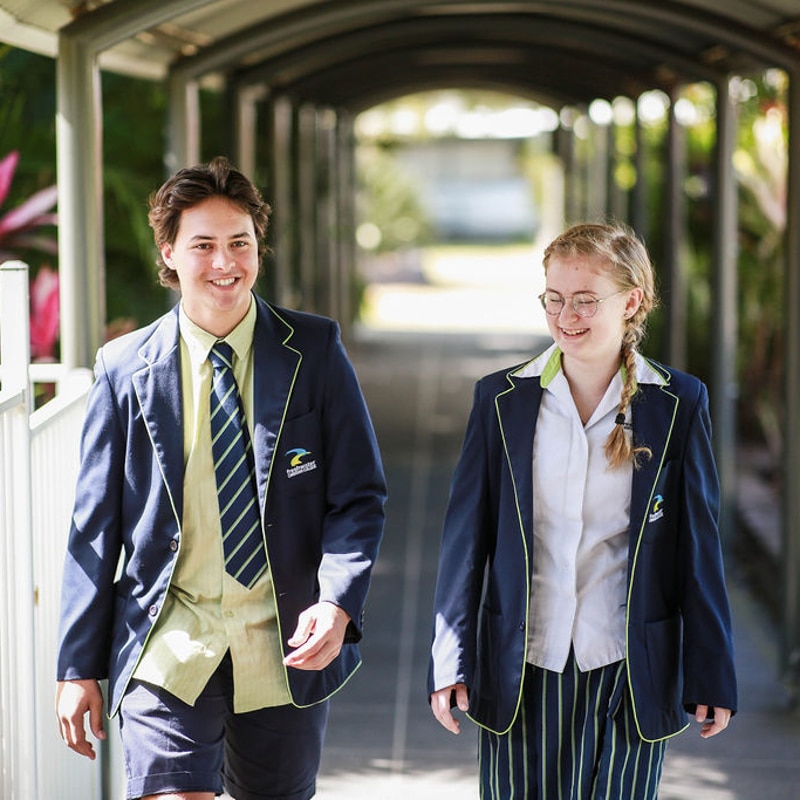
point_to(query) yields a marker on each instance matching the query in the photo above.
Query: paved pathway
(383, 742)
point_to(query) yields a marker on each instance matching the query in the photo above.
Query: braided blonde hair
(628, 265)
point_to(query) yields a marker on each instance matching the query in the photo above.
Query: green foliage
(389, 201)
(133, 142)
(27, 125)
(761, 164)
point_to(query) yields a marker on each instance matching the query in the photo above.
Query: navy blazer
(679, 643)
(322, 524)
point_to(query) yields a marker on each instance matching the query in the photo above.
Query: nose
(222, 260)
(567, 310)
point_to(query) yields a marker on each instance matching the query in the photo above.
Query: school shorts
(170, 746)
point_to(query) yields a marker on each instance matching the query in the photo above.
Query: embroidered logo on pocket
(299, 462)
(657, 509)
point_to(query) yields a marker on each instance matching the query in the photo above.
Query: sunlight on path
(441, 785)
(463, 289)
(686, 776)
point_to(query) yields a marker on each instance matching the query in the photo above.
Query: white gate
(38, 464)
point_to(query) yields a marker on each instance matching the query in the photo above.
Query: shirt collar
(548, 364)
(200, 341)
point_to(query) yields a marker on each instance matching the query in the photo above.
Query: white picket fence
(38, 464)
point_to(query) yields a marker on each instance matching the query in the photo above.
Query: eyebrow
(204, 237)
(580, 291)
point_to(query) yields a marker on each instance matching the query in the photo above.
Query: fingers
(305, 625)
(441, 703)
(74, 699)
(96, 720)
(712, 725)
(318, 637)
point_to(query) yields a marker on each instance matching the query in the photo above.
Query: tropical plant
(20, 228)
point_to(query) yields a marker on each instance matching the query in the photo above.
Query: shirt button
(229, 614)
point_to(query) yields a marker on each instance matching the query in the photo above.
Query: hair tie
(620, 419)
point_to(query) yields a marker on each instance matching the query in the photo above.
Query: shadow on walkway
(382, 739)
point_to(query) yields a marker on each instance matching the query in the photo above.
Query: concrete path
(383, 742)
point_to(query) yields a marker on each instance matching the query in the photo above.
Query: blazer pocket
(663, 646)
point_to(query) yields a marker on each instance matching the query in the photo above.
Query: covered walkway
(294, 74)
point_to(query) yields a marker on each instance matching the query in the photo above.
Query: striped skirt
(574, 738)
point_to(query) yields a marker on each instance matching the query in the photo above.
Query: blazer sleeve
(94, 543)
(708, 661)
(462, 560)
(356, 489)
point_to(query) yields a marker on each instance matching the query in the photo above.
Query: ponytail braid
(619, 445)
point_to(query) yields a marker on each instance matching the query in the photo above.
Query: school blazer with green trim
(679, 637)
(322, 526)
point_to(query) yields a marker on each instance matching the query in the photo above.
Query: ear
(634, 301)
(166, 254)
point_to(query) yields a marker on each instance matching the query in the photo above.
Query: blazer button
(153, 610)
(522, 626)
(173, 545)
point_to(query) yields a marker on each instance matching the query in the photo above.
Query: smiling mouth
(224, 282)
(565, 332)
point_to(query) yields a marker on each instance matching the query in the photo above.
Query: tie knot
(221, 355)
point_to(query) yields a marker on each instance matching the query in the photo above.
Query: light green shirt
(207, 611)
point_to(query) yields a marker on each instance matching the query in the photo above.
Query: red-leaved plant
(20, 230)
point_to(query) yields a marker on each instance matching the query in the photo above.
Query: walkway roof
(355, 53)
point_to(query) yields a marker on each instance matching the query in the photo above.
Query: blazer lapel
(274, 371)
(517, 410)
(653, 418)
(158, 389)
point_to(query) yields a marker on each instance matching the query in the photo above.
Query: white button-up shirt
(580, 526)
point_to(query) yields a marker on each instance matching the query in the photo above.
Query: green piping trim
(527, 564)
(113, 711)
(633, 569)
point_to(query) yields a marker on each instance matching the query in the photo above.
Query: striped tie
(242, 542)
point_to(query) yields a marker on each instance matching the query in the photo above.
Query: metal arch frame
(293, 29)
(417, 33)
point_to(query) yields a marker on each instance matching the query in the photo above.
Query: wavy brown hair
(191, 186)
(627, 263)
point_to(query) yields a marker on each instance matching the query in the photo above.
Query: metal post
(183, 129)
(566, 151)
(80, 205)
(723, 389)
(246, 100)
(639, 195)
(597, 172)
(312, 293)
(790, 656)
(675, 250)
(345, 203)
(281, 122)
(327, 253)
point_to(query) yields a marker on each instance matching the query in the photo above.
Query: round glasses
(583, 304)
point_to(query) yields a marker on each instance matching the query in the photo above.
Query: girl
(580, 609)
